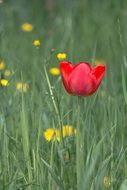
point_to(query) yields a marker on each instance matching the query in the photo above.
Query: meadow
(40, 148)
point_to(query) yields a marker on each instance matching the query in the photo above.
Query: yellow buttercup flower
(49, 134)
(2, 65)
(107, 182)
(99, 62)
(22, 87)
(7, 73)
(4, 82)
(54, 71)
(68, 130)
(19, 86)
(74, 132)
(36, 43)
(27, 27)
(61, 56)
(54, 134)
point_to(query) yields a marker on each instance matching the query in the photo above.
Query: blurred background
(88, 25)
(86, 29)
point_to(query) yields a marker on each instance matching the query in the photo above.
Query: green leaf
(124, 185)
(55, 177)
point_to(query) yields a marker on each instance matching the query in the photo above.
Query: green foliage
(86, 31)
(123, 185)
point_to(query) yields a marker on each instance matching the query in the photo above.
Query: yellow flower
(107, 181)
(7, 73)
(54, 71)
(74, 132)
(36, 43)
(99, 61)
(2, 65)
(22, 87)
(68, 130)
(27, 27)
(49, 134)
(54, 134)
(61, 56)
(4, 82)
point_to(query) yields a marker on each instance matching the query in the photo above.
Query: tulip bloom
(81, 79)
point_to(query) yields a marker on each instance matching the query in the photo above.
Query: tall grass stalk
(55, 106)
(25, 141)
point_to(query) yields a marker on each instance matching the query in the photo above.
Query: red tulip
(81, 79)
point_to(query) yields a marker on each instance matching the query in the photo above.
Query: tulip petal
(98, 72)
(80, 82)
(66, 68)
(97, 75)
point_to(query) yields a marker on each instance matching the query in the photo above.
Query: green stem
(61, 126)
(51, 165)
(78, 144)
(57, 110)
(112, 157)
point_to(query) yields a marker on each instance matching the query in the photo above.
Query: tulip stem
(78, 144)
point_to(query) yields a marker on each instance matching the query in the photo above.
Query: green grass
(85, 30)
